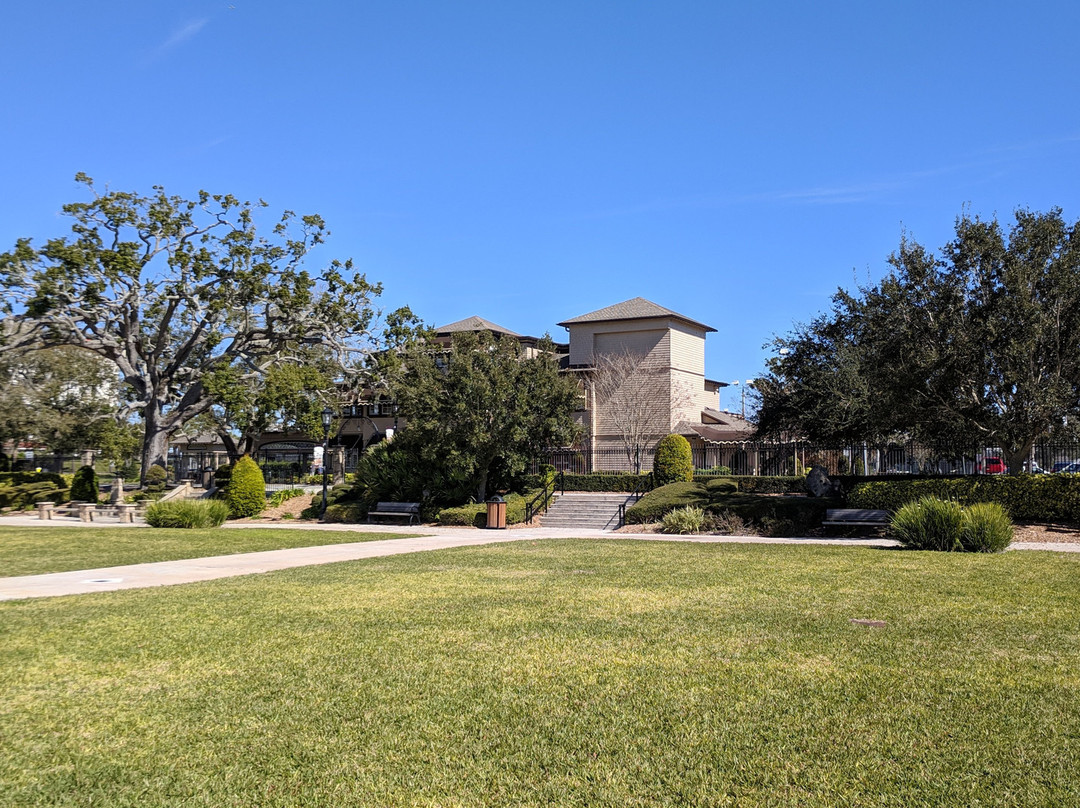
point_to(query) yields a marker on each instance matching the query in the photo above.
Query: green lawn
(600, 673)
(35, 550)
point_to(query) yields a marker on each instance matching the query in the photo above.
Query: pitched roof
(636, 309)
(474, 323)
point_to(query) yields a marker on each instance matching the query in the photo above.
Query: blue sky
(530, 162)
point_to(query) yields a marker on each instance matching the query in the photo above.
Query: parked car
(995, 465)
(1060, 467)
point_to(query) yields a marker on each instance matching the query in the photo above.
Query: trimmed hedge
(776, 515)
(779, 516)
(247, 489)
(23, 477)
(599, 482)
(1042, 497)
(346, 512)
(475, 513)
(659, 501)
(23, 496)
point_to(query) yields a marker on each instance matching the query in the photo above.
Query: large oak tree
(978, 346)
(172, 291)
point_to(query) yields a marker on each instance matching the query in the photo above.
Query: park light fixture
(327, 417)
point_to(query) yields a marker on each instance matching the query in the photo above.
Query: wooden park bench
(855, 517)
(396, 510)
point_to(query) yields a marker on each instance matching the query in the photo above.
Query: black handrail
(535, 506)
(644, 485)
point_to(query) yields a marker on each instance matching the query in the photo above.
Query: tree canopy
(173, 291)
(976, 347)
(481, 410)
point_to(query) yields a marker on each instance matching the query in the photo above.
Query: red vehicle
(995, 465)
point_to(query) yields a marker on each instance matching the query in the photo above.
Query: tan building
(642, 368)
(669, 389)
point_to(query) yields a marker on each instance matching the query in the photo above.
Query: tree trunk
(481, 486)
(155, 446)
(1015, 459)
(231, 449)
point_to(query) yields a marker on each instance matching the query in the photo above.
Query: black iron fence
(785, 458)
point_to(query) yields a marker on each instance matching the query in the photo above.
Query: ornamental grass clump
(187, 513)
(928, 524)
(247, 489)
(985, 528)
(684, 520)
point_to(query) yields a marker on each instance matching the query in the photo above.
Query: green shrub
(684, 521)
(656, 503)
(279, 497)
(187, 513)
(1043, 497)
(475, 513)
(721, 485)
(928, 524)
(771, 485)
(598, 482)
(247, 489)
(84, 486)
(156, 477)
(347, 512)
(222, 474)
(775, 516)
(726, 523)
(23, 496)
(985, 528)
(673, 462)
(24, 477)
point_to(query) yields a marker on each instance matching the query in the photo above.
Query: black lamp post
(327, 416)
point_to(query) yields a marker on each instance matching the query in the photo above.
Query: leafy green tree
(979, 346)
(65, 398)
(288, 396)
(481, 411)
(171, 290)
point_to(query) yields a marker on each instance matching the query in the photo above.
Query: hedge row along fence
(619, 483)
(1048, 497)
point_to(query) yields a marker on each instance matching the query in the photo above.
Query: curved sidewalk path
(166, 573)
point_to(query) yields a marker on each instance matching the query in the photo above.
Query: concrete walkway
(165, 573)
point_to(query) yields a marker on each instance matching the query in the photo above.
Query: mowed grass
(600, 673)
(36, 550)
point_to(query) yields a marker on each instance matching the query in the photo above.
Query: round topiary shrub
(84, 485)
(928, 524)
(156, 477)
(673, 461)
(985, 528)
(247, 489)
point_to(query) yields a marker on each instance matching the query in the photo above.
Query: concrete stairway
(586, 510)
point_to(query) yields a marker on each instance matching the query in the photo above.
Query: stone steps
(584, 510)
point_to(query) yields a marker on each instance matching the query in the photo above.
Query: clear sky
(532, 161)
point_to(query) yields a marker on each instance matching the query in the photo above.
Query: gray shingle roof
(636, 309)
(474, 324)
